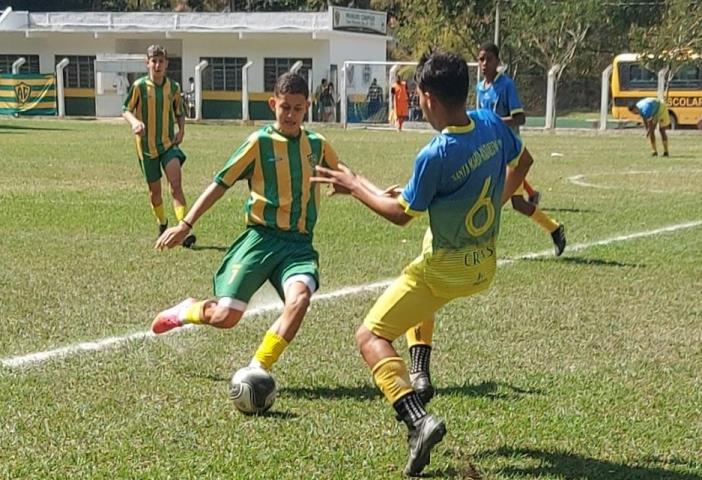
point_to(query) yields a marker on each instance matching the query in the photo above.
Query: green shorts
(151, 167)
(261, 254)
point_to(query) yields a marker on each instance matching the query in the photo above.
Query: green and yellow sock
(270, 349)
(544, 221)
(195, 313)
(180, 211)
(392, 378)
(159, 213)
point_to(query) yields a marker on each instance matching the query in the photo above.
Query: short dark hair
(444, 75)
(156, 50)
(291, 83)
(632, 106)
(490, 48)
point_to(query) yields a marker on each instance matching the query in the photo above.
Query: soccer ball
(253, 390)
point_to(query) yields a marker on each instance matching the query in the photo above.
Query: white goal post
(365, 91)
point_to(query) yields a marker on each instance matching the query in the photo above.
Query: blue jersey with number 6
(459, 177)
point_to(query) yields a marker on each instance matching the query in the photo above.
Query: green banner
(27, 94)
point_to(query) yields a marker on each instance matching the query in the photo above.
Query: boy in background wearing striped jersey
(153, 106)
(277, 161)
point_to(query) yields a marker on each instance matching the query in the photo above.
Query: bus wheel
(673, 121)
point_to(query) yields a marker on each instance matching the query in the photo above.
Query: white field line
(580, 180)
(110, 342)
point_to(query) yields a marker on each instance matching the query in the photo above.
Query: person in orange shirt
(400, 102)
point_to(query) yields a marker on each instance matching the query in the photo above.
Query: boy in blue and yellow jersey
(461, 178)
(277, 161)
(653, 112)
(497, 92)
(153, 106)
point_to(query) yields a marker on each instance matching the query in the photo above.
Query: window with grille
(223, 73)
(80, 71)
(275, 67)
(31, 64)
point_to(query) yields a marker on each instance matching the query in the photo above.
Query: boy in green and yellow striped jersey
(153, 106)
(277, 161)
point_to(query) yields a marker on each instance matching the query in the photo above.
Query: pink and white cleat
(171, 318)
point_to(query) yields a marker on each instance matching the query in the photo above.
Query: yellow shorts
(420, 292)
(664, 117)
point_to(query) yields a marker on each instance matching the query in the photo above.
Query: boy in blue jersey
(461, 178)
(653, 112)
(497, 92)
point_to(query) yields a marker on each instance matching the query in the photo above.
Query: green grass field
(582, 367)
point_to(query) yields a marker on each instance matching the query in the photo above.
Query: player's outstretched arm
(516, 175)
(175, 235)
(346, 181)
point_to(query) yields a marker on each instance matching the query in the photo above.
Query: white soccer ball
(253, 390)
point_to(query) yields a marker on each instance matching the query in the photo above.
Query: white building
(273, 42)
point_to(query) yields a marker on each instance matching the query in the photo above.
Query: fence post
(551, 97)
(60, 94)
(245, 115)
(198, 88)
(17, 64)
(604, 97)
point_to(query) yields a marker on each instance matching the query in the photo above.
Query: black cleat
(559, 240)
(162, 228)
(424, 435)
(535, 198)
(421, 383)
(665, 154)
(654, 154)
(189, 241)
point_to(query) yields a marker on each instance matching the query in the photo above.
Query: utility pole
(497, 22)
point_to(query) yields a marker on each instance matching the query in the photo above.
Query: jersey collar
(452, 129)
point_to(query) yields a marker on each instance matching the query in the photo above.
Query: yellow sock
(159, 213)
(665, 146)
(422, 334)
(180, 211)
(270, 349)
(195, 313)
(544, 221)
(391, 377)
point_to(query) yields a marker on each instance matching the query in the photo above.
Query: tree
(547, 33)
(673, 43)
(455, 25)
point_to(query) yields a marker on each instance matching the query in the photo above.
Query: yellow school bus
(631, 81)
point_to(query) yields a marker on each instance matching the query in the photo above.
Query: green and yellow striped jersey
(156, 106)
(278, 171)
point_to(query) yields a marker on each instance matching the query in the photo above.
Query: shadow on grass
(594, 262)
(209, 247)
(571, 210)
(277, 415)
(490, 390)
(568, 466)
(361, 392)
(23, 127)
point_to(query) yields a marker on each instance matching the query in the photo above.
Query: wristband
(187, 224)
